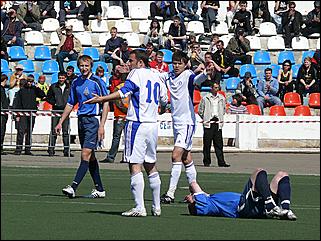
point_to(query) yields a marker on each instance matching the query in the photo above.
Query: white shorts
(140, 142)
(183, 136)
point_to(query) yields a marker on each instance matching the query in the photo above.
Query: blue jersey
(82, 90)
(223, 204)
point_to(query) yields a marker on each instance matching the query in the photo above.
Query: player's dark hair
(85, 58)
(192, 209)
(180, 56)
(141, 55)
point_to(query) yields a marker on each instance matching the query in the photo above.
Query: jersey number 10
(155, 92)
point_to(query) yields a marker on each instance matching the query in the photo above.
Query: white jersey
(146, 91)
(182, 90)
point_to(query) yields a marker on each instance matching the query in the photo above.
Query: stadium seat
(123, 26)
(262, 57)
(314, 100)
(54, 39)
(50, 67)
(197, 97)
(308, 53)
(231, 83)
(277, 110)
(167, 55)
(50, 24)
(170, 67)
(196, 27)
(28, 66)
(17, 53)
(284, 55)
(318, 43)
(54, 78)
(144, 26)
(295, 70)
(275, 69)
(220, 29)
(115, 12)
(92, 52)
(5, 66)
(103, 37)
(73, 63)
(226, 39)
(102, 64)
(166, 26)
(302, 110)
(276, 43)
(253, 109)
(85, 38)
(78, 25)
(267, 29)
(139, 12)
(255, 42)
(300, 43)
(42, 53)
(132, 39)
(34, 37)
(248, 67)
(291, 99)
(98, 26)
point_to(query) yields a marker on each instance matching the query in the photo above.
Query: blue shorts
(250, 205)
(88, 131)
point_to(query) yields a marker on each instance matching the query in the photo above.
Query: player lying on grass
(258, 200)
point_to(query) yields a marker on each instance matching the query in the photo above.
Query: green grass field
(33, 207)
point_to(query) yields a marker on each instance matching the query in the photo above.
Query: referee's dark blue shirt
(82, 90)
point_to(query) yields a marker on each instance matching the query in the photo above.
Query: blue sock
(81, 172)
(263, 188)
(284, 192)
(94, 172)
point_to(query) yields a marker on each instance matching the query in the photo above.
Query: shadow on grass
(107, 212)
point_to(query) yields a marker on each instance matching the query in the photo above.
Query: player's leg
(98, 191)
(189, 167)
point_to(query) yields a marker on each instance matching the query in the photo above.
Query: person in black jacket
(242, 19)
(47, 9)
(4, 106)
(57, 96)
(25, 99)
(70, 7)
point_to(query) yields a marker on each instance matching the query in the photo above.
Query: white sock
(155, 186)
(190, 172)
(175, 174)
(137, 188)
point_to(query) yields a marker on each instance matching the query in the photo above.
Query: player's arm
(200, 78)
(102, 99)
(65, 114)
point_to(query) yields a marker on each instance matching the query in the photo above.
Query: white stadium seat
(132, 39)
(103, 37)
(196, 27)
(267, 29)
(138, 12)
(34, 37)
(276, 43)
(123, 26)
(50, 24)
(318, 43)
(85, 38)
(115, 12)
(220, 29)
(166, 26)
(99, 26)
(144, 26)
(300, 43)
(226, 39)
(54, 39)
(255, 42)
(78, 25)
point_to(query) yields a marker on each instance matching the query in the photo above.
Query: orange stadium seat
(253, 109)
(291, 99)
(277, 110)
(197, 97)
(302, 110)
(314, 100)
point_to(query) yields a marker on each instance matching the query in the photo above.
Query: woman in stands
(285, 79)
(154, 34)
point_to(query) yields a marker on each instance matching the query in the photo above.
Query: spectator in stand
(231, 10)
(91, 7)
(47, 9)
(209, 13)
(165, 9)
(14, 85)
(69, 46)
(44, 87)
(121, 55)
(285, 79)
(12, 28)
(177, 35)
(211, 73)
(242, 19)
(3, 49)
(112, 43)
(261, 13)
(4, 106)
(224, 60)
(154, 34)
(68, 8)
(158, 63)
(29, 15)
(70, 74)
(3, 11)
(190, 43)
(312, 22)
(57, 96)
(122, 4)
(279, 9)
(197, 59)
(100, 72)
(240, 46)
(316, 63)
(150, 51)
(247, 90)
(187, 9)
(268, 90)
(307, 79)
(291, 24)
(26, 100)
(214, 38)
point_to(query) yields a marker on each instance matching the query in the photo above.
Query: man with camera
(11, 31)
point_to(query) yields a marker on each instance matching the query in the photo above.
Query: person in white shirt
(146, 92)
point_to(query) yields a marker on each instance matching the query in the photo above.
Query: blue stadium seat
(231, 83)
(284, 55)
(92, 52)
(42, 53)
(262, 57)
(170, 67)
(308, 53)
(295, 70)
(28, 66)
(54, 78)
(5, 66)
(17, 53)
(102, 64)
(275, 69)
(50, 67)
(248, 67)
(74, 64)
(167, 55)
